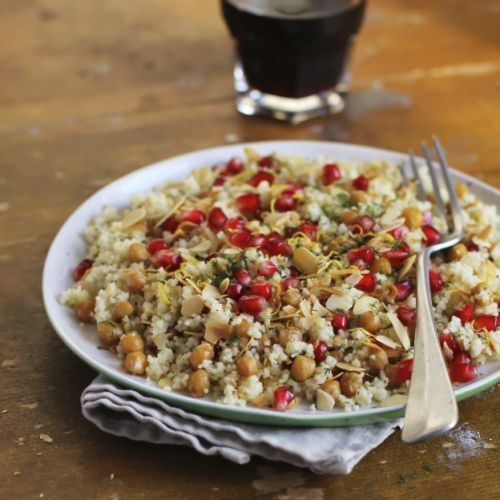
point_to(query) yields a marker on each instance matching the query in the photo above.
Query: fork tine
(455, 206)
(420, 189)
(404, 174)
(434, 179)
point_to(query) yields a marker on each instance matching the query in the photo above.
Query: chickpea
(457, 252)
(122, 309)
(109, 334)
(332, 387)
(264, 400)
(137, 252)
(461, 188)
(348, 216)
(241, 329)
(286, 335)
(135, 280)
(381, 265)
(393, 353)
(135, 363)
(391, 373)
(370, 321)
(247, 366)
(132, 342)
(359, 197)
(303, 368)
(199, 383)
(291, 297)
(350, 383)
(413, 217)
(85, 311)
(263, 342)
(200, 353)
(378, 359)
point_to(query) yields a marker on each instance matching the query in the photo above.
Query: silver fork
(432, 408)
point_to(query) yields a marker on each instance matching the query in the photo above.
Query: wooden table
(92, 90)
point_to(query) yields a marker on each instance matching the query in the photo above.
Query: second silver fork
(432, 408)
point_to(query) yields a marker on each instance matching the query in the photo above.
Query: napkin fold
(127, 413)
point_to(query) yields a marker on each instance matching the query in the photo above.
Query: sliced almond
(400, 329)
(365, 304)
(204, 176)
(172, 211)
(223, 285)
(210, 292)
(484, 234)
(133, 217)
(407, 265)
(387, 341)
(349, 368)
(202, 247)
(192, 306)
(305, 260)
(395, 400)
(342, 302)
(324, 401)
(391, 215)
(317, 308)
(216, 330)
(251, 154)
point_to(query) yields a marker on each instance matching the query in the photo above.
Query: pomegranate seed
(340, 321)
(461, 358)
(485, 322)
(309, 229)
(320, 352)
(240, 238)
(403, 289)
(82, 268)
(403, 372)
(399, 233)
(331, 173)
(171, 224)
(282, 398)
(219, 181)
(234, 290)
(276, 246)
(234, 166)
(217, 218)
(261, 176)
(290, 231)
(396, 256)
(431, 235)
(248, 203)
(267, 162)
(367, 283)
(364, 254)
(290, 282)
(407, 316)
(472, 247)
(436, 281)
(266, 268)
(462, 372)
(364, 224)
(242, 276)
(235, 223)
(465, 313)
(156, 245)
(167, 259)
(293, 188)
(294, 271)
(447, 338)
(252, 304)
(261, 288)
(194, 216)
(257, 240)
(285, 203)
(361, 182)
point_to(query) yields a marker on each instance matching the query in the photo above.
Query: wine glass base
(252, 102)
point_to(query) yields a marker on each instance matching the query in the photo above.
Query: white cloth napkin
(127, 413)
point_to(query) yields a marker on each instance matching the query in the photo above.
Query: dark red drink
(293, 49)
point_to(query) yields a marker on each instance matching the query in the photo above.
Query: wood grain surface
(92, 90)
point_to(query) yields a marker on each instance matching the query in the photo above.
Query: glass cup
(292, 55)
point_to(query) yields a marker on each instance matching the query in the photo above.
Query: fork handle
(432, 408)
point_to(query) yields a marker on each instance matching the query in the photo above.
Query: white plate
(68, 249)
